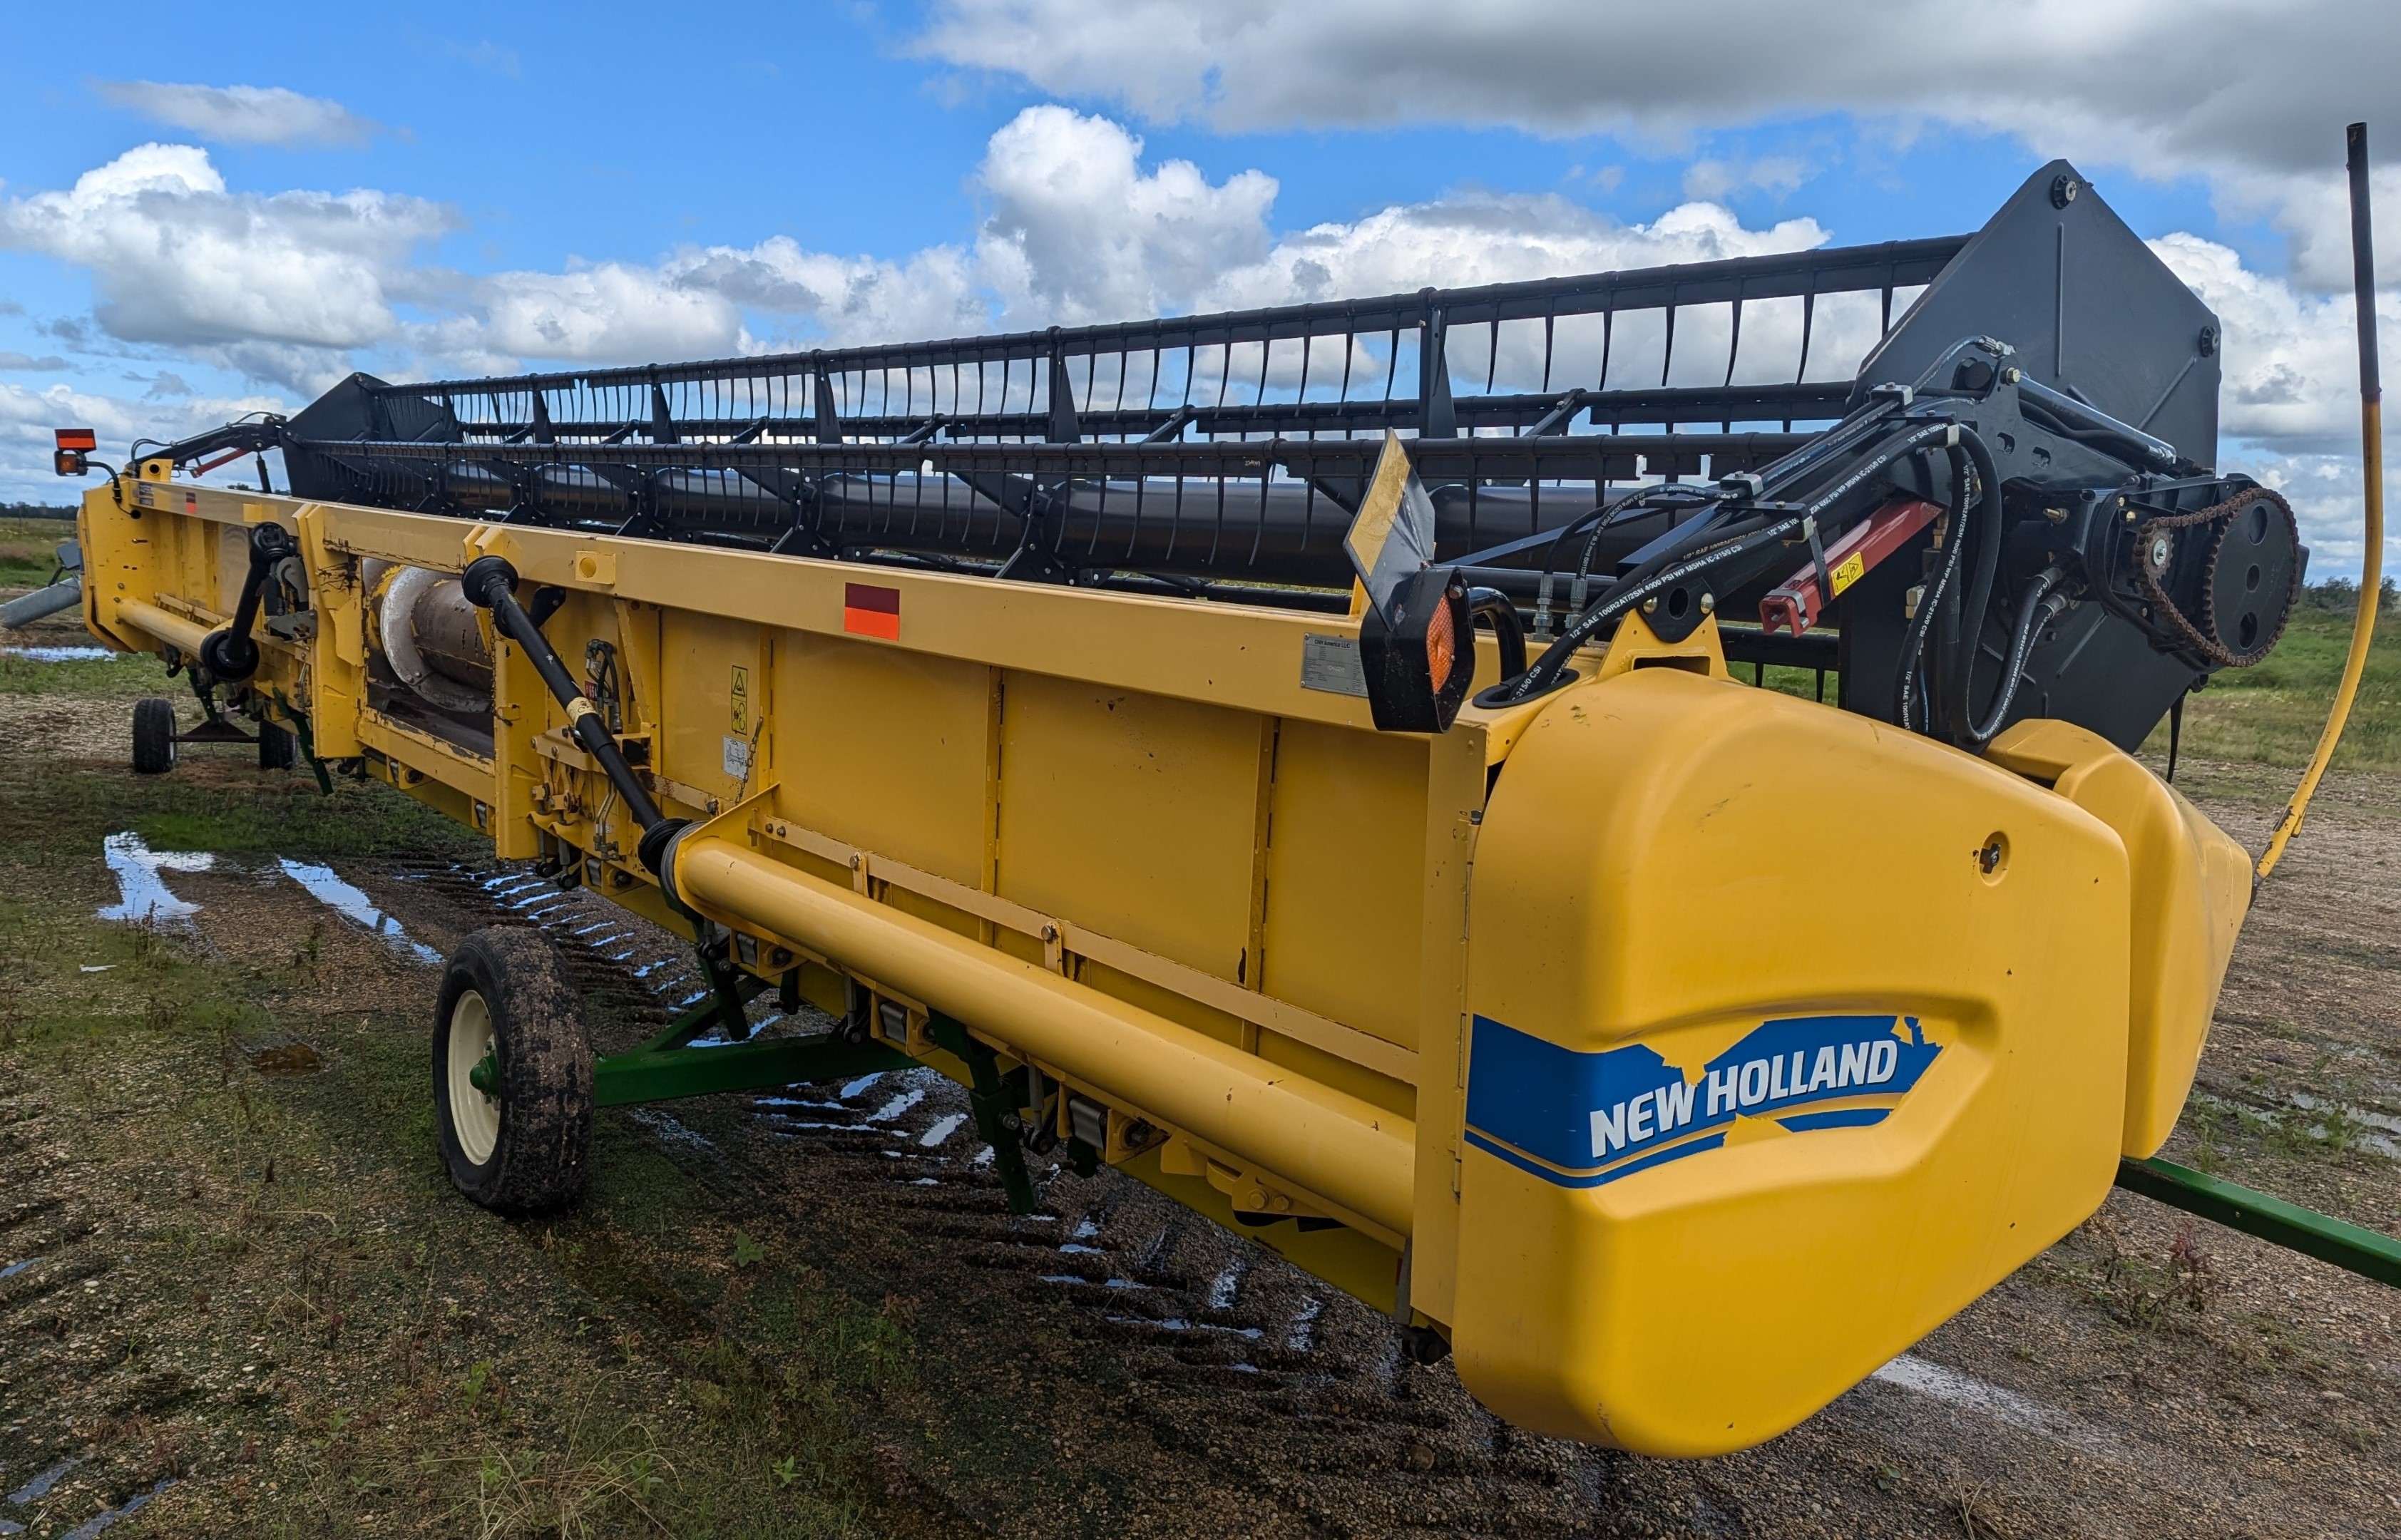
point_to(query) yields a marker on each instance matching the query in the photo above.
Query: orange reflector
(1442, 647)
(78, 438)
(871, 612)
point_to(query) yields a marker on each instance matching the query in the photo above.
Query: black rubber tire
(277, 748)
(154, 736)
(539, 1159)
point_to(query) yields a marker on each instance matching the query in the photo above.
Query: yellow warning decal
(1849, 570)
(741, 702)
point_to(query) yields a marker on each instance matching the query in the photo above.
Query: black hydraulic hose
(231, 656)
(1972, 451)
(1501, 612)
(2041, 606)
(491, 583)
(1639, 585)
(1930, 602)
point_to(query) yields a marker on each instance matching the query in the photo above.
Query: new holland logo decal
(1581, 1119)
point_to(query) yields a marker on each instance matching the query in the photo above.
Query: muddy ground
(241, 1293)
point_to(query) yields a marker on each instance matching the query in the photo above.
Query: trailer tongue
(1297, 756)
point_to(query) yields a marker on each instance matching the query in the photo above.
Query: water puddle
(283, 1059)
(354, 906)
(2354, 1120)
(1968, 1393)
(98, 1521)
(141, 893)
(1177, 1323)
(669, 1128)
(897, 1106)
(63, 654)
(39, 1487)
(1303, 1335)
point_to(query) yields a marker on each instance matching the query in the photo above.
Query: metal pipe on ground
(1354, 1155)
(25, 609)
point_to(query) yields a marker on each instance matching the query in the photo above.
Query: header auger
(1294, 757)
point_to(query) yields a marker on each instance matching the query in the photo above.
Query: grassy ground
(2272, 713)
(28, 550)
(269, 1280)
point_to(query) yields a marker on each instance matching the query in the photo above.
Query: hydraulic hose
(2371, 456)
(2040, 606)
(491, 583)
(1972, 451)
(1670, 569)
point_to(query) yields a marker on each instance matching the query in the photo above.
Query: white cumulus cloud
(2250, 95)
(177, 260)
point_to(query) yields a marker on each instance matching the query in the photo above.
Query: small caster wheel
(154, 736)
(277, 748)
(512, 1073)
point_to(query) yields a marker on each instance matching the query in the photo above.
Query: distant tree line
(37, 510)
(2341, 595)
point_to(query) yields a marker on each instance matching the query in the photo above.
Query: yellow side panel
(2192, 889)
(886, 749)
(1346, 876)
(1134, 814)
(1769, 1073)
(703, 660)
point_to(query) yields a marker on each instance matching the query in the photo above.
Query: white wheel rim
(475, 1117)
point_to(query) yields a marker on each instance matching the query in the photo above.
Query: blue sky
(464, 189)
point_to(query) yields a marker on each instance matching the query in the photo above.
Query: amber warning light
(74, 445)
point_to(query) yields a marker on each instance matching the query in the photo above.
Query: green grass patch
(2272, 713)
(28, 550)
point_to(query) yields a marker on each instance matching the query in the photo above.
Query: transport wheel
(154, 736)
(512, 1073)
(276, 747)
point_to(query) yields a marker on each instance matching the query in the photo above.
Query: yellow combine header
(1674, 1050)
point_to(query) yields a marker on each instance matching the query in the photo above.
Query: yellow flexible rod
(2371, 458)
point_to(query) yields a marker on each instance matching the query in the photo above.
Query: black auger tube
(491, 583)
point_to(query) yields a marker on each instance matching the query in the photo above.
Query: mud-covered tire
(154, 736)
(277, 748)
(527, 1150)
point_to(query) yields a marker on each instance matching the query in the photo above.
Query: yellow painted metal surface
(1122, 839)
(2191, 890)
(1699, 1199)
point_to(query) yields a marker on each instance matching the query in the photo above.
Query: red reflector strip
(871, 612)
(78, 438)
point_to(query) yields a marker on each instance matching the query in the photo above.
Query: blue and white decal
(1582, 1119)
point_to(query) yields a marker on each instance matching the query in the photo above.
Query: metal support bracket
(996, 1117)
(2363, 1252)
(651, 1073)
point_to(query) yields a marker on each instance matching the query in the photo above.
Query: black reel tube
(491, 583)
